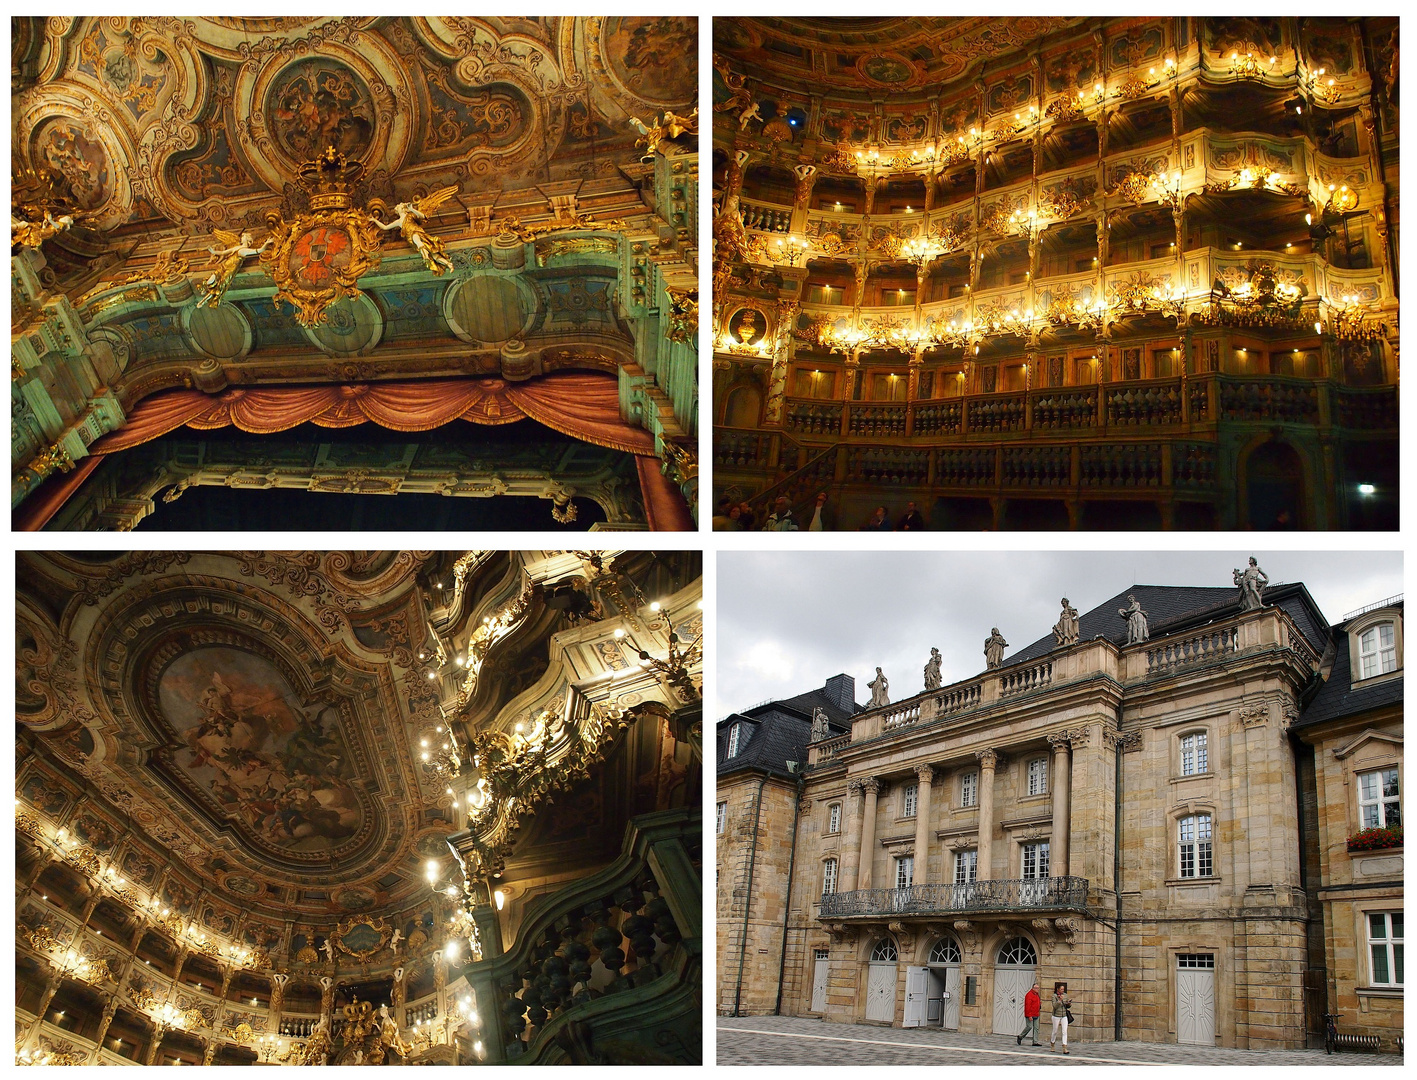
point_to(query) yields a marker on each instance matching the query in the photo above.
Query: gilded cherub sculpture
(227, 262)
(409, 221)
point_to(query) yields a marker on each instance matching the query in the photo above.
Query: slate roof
(777, 732)
(1337, 697)
(1172, 608)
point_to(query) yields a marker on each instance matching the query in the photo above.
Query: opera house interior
(358, 807)
(1057, 273)
(268, 272)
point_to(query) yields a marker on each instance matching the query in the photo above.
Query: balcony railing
(1038, 894)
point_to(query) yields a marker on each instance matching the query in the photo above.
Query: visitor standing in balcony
(912, 519)
(1032, 1006)
(725, 520)
(878, 523)
(780, 520)
(746, 517)
(816, 525)
(1061, 1015)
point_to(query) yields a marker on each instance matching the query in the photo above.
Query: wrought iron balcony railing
(1038, 894)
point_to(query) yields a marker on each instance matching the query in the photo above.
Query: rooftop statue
(994, 646)
(1252, 581)
(932, 671)
(1066, 630)
(1137, 629)
(880, 688)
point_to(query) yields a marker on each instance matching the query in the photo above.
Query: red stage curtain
(583, 405)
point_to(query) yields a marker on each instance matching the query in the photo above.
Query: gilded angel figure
(228, 261)
(409, 221)
(31, 234)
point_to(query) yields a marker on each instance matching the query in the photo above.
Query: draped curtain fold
(583, 405)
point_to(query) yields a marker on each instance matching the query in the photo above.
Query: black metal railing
(1038, 894)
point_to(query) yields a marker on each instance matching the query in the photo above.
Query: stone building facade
(954, 846)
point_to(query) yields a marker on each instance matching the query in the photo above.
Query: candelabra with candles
(791, 249)
(673, 669)
(1322, 86)
(1167, 188)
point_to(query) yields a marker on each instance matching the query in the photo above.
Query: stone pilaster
(872, 787)
(926, 779)
(988, 759)
(851, 845)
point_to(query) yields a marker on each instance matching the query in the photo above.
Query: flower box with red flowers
(1376, 839)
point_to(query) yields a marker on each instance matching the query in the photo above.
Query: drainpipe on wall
(748, 896)
(787, 904)
(1117, 888)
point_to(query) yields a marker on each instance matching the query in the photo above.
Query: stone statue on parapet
(1066, 630)
(932, 671)
(820, 728)
(880, 690)
(1252, 581)
(994, 646)
(1137, 628)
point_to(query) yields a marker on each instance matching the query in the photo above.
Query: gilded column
(278, 982)
(157, 1041)
(851, 845)
(926, 776)
(104, 1022)
(872, 787)
(327, 1000)
(210, 1051)
(987, 760)
(1062, 803)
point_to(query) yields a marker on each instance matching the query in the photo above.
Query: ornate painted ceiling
(254, 736)
(868, 57)
(201, 120)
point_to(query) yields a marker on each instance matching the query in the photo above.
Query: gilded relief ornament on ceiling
(319, 257)
(361, 937)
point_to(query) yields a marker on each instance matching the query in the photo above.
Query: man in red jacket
(1032, 1006)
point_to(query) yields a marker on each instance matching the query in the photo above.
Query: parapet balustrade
(1020, 680)
(1177, 652)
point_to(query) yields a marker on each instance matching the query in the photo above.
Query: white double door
(932, 997)
(1011, 985)
(880, 992)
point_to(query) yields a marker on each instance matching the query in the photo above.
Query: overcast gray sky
(788, 621)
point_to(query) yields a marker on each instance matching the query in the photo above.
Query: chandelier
(1355, 321)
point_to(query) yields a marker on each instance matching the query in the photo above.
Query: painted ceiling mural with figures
(338, 778)
(206, 204)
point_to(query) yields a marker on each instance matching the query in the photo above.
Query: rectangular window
(907, 800)
(1193, 754)
(1196, 960)
(1195, 849)
(1385, 947)
(829, 877)
(1378, 802)
(834, 818)
(1035, 861)
(1038, 776)
(1377, 650)
(966, 866)
(904, 871)
(733, 736)
(969, 789)
(722, 817)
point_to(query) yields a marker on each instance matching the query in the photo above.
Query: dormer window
(1377, 651)
(735, 737)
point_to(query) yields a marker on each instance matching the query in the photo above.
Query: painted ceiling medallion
(318, 257)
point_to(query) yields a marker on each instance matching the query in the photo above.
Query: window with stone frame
(834, 818)
(734, 737)
(969, 789)
(1035, 860)
(828, 877)
(1196, 859)
(1377, 650)
(1385, 948)
(904, 871)
(1379, 804)
(966, 866)
(1194, 754)
(908, 796)
(722, 818)
(1038, 776)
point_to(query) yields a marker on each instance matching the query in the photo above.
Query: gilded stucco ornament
(361, 937)
(318, 258)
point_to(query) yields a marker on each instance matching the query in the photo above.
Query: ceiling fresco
(202, 119)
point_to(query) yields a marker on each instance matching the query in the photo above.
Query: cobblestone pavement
(791, 1040)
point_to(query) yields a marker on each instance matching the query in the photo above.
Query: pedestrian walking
(1061, 1015)
(1032, 1006)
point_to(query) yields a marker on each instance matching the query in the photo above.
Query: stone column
(872, 787)
(851, 844)
(987, 760)
(926, 775)
(1062, 803)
